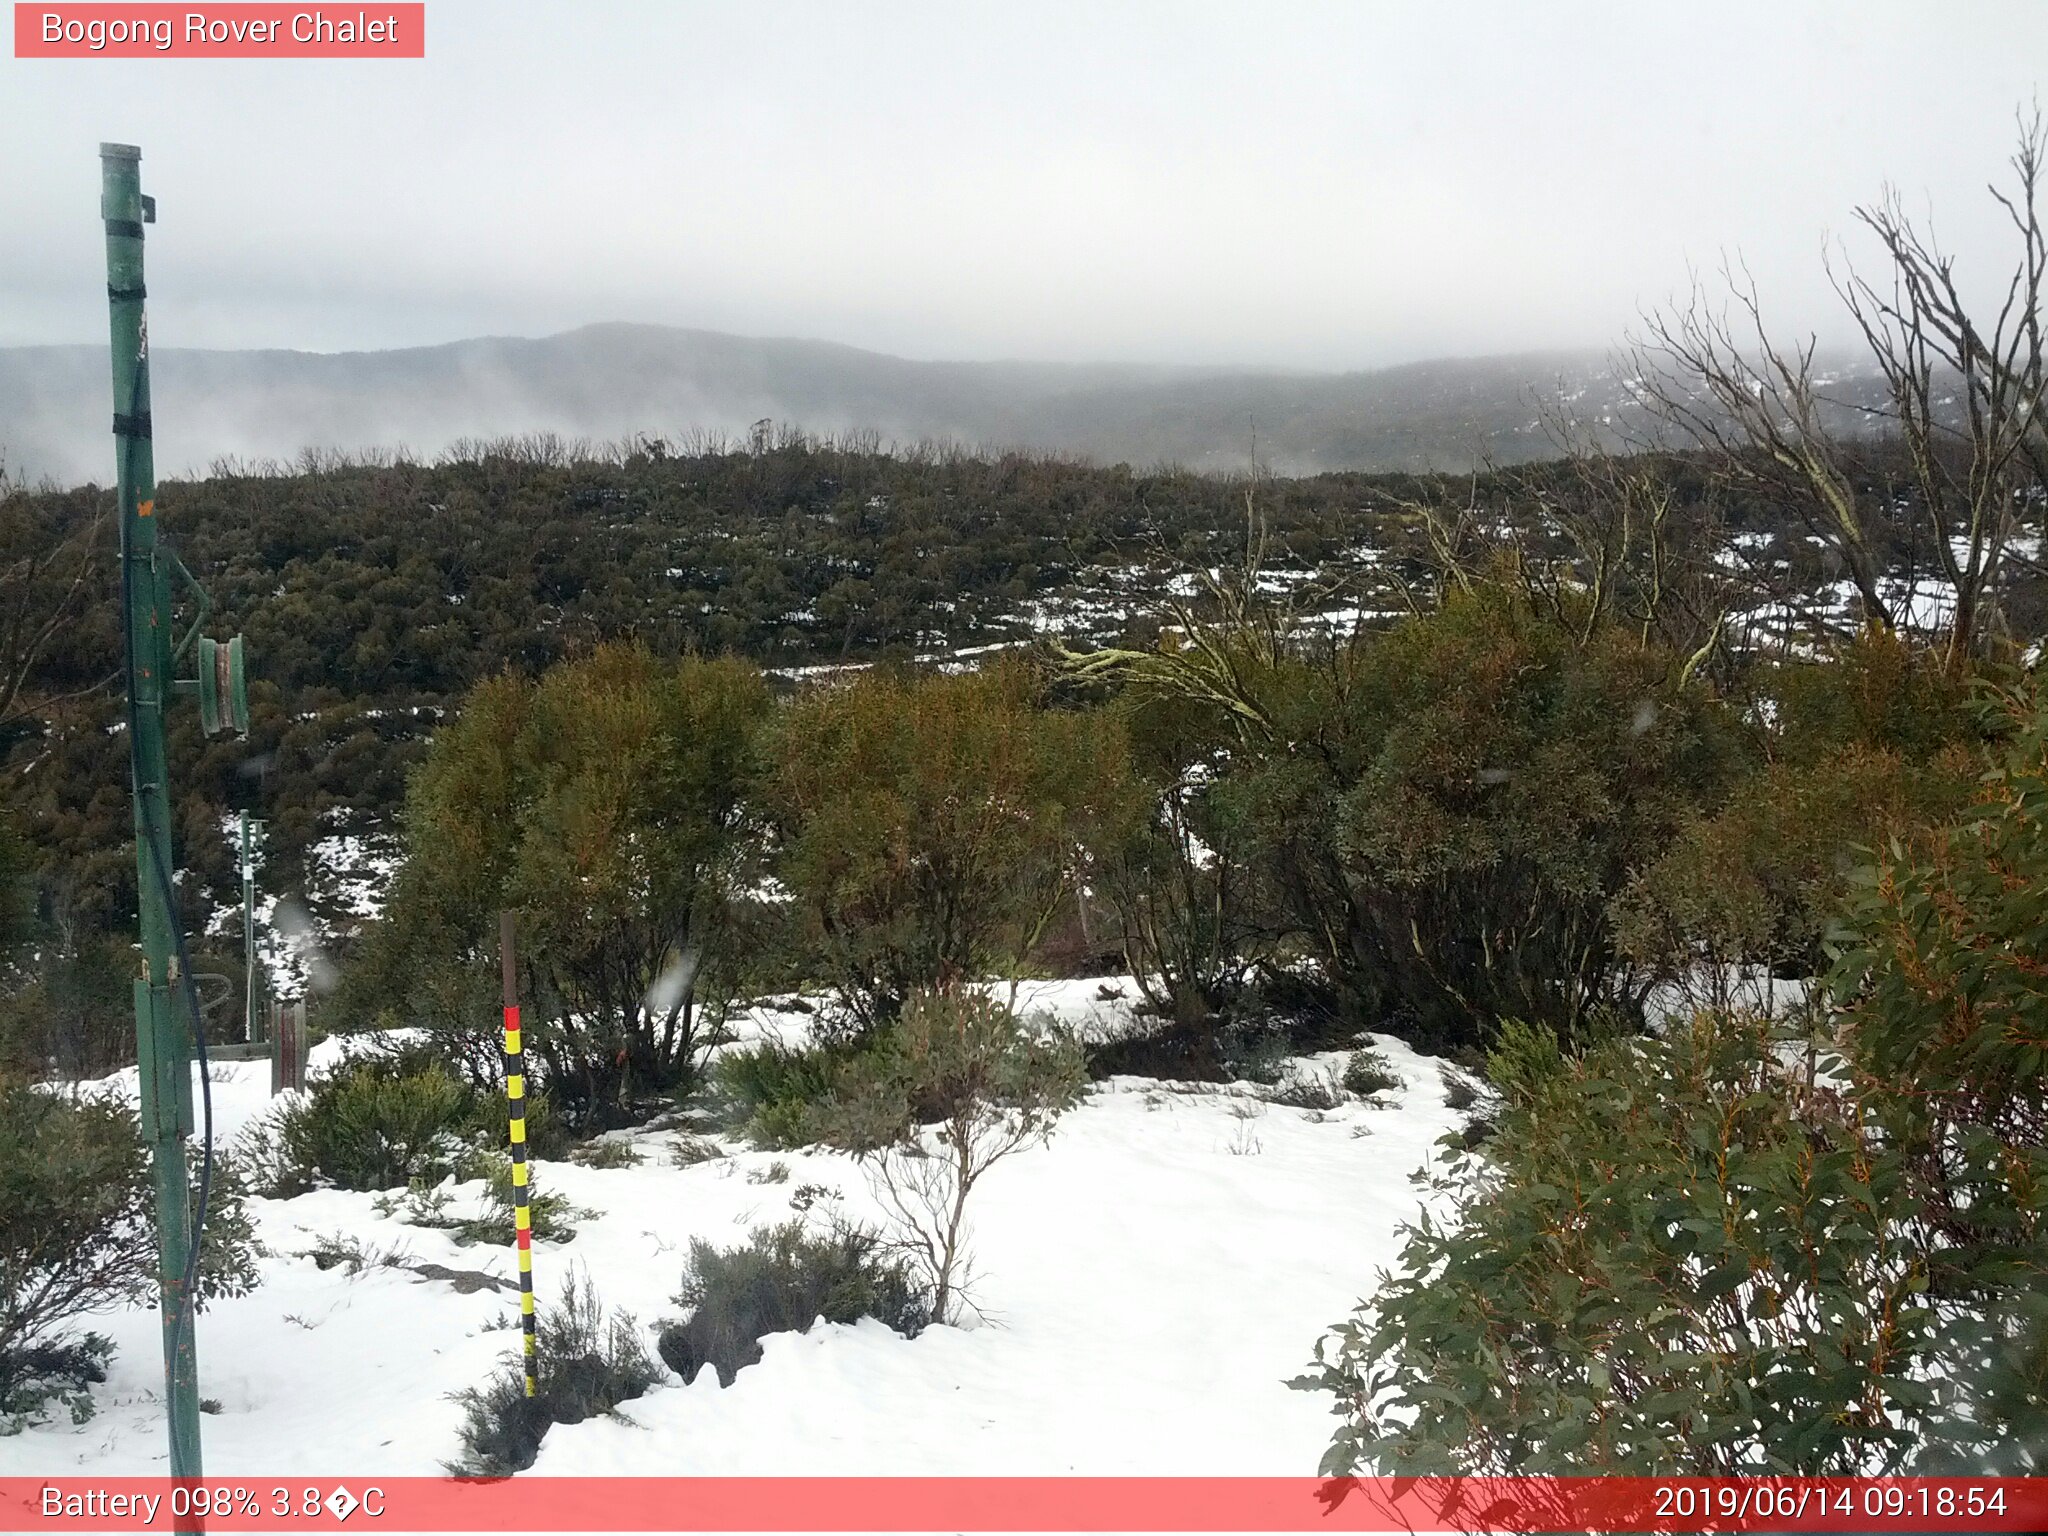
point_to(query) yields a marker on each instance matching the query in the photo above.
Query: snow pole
(515, 1099)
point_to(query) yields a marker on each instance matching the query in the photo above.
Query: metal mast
(165, 1015)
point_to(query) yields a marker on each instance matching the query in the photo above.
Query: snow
(1148, 1281)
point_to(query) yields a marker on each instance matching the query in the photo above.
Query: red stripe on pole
(1006, 1504)
(525, 1236)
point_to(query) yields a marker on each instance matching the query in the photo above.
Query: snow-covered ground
(1148, 1280)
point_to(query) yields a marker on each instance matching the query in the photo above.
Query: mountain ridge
(621, 378)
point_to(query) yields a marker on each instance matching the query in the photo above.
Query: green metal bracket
(199, 596)
(221, 685)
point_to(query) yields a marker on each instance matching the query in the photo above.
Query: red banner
(232, 31)
(1140, 1504)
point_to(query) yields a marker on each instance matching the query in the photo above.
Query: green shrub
(590, 1362)
(78, 1236)
(1441, 813)
(783, 1281)
(1460, 1091)
(1256, 1052)
(69, 1010)
(1367, 1072)
(931, 826)
(776, 1089)
(1175, 881)
(551, 1217)
(687, 1150)
(1676, 1255)
(389, 1115)
(1942, 976)
(74, 1213)
(370, 1126)
(1167, 1049)
(604, 803)
(36, 1376)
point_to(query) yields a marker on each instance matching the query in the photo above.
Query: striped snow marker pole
(515, 1099)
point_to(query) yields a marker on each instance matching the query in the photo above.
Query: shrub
(931, 826)
(605, 805)
(1942, 975)
(1687, 1254)
(35, 1376)
(1367, 1072)
(604, 1154)
(687, 1150)
(783, 1281)
(1442, 812)
(550, 1216)
(964, 1066)
(589, 1364)
(72, 1013)
(74, 1213)
(1177, 882)
(351, 1255)
(1255, 1051)
(1308, 1090)
(1753, 885)
(373, 1125)
(777, 1089)
(1460, 1091)
(1166, 1049)
(78, 1234)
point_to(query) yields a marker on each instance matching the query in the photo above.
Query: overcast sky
(1324, 186)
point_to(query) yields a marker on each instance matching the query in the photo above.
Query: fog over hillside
(608, 381)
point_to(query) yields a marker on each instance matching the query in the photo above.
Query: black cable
(188, 1296)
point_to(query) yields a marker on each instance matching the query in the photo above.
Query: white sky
(1316, 185)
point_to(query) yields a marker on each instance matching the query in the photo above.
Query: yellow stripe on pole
(515, 1094)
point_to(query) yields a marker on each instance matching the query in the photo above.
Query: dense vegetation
(1555, 779)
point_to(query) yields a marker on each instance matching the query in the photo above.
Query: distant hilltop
(611, 381)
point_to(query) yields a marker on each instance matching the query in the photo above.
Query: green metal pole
(162, 1035)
